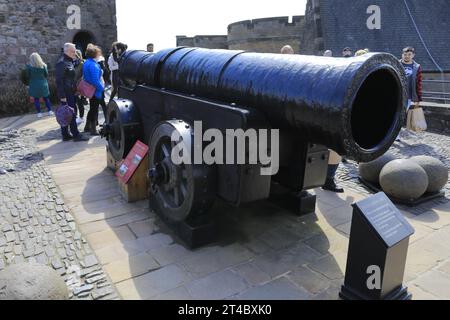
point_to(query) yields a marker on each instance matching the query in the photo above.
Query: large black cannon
(354, 106)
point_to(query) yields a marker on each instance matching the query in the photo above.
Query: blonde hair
(361, 52)
(36, 61)
(79, 54)
(92, 51)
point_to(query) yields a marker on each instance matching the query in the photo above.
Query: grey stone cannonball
(31, 281)
(404, 179)
(370, 171)
(437, 172)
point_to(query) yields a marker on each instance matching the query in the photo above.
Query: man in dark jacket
(66, 87)
(413, 72)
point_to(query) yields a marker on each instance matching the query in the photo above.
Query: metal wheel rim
(173, 193)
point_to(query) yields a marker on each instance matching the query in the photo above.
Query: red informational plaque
(131, 162)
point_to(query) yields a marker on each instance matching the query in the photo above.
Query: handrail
(436, 81)
(441, 93)
(436, 98)
(441, 97)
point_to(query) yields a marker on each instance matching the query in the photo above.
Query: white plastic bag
(334, 158)
(416, 120)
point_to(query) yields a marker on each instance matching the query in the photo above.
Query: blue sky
(143, 21)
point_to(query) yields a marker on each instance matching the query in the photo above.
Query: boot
(330, 185)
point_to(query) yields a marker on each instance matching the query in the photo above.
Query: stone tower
(44, 26)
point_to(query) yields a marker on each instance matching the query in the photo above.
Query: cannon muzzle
(355, 106)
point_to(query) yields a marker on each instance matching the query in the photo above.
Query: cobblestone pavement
(35, 223)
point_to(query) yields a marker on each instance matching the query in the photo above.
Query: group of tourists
(72, 67)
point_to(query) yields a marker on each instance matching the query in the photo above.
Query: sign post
(378, 246)
(132, 174)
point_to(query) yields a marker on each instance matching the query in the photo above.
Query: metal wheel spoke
(165, 150)
(176, 195)
(183, 190)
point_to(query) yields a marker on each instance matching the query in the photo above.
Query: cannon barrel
(354, 106)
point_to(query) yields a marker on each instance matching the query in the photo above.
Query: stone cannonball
(31, 281)
(404, 179)
(437, 172)
(370, 171)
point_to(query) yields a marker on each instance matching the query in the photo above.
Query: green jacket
(38, 84)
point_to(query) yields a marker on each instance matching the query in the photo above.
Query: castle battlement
(267, 22)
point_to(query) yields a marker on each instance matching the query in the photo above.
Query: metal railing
(438, 92)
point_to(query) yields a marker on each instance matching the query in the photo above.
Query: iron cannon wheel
(183, 191)
(115, 134)
(123, 127)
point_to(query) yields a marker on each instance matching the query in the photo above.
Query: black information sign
(385, 218)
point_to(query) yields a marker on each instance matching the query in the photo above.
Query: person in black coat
(117, 50)
(66, 87)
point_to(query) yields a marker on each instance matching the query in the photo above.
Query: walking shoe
(39, 115)
(80, 137)
(51, 113)
(67, 138)
(330, 185)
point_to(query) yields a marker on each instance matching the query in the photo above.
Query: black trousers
(94, 103)
(115, 83)
(79, 106)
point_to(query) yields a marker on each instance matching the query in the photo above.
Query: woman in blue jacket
(92, 74)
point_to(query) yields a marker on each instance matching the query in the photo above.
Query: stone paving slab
(278, 289)
(217, 286)
(263, 252)
(153, 283)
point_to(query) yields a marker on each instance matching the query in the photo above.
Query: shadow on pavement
(262, 251)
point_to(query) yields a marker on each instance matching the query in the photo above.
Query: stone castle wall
(203, 41)
(41, 26)
(259, 35)
(266, 35)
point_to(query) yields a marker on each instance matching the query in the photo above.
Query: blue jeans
(71, 101)
(37, 104)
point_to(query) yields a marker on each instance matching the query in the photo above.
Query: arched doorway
(82, 39)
